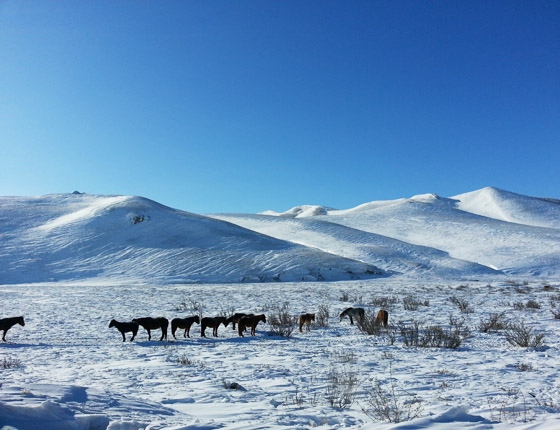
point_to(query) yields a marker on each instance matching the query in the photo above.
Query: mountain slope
(72, 237)
(123, 239)
(460, 229)
(393, 256)
(507, 206)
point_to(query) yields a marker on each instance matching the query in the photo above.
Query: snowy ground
(66, 369)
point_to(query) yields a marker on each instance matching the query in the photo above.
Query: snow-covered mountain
(429, 234)
(77, 237)
(108, 239)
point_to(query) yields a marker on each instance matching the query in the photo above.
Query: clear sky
(244, 106)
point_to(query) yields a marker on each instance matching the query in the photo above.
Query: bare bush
(10, 363)
(384, 302)
(459, 326)
(411, 303)
(432, 336)
(462, 304)
(388, 402)
(512, 406)
(437, 337)
(410, 333)
(518, 334)
(369, 323)
(342, 386)
(190, 304)
(344, 356)
(494, 322)
(322, 316)
(532, 304)
(185, 360)
(281, 321)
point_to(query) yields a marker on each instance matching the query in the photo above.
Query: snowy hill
(76, 237)
(511, 207)
(108, 239)
(512, 233)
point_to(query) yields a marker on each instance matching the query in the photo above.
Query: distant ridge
(500, 230)
(111, 239)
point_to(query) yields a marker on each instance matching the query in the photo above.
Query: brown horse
(305, 319)
(184, 323)
(153, 324)
(352, 313)
(8, 323)
(250, 321)
(125, 327)
(382, 317)
(234, 319)
(213, 323)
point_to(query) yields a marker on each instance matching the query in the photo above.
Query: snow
(69, 263)
(73, 370)
(74, 238)
(512, 207)
(432, 235)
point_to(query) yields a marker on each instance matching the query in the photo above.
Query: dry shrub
(281, 321)
(518, 334)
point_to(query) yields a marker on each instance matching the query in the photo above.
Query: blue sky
(244, 106)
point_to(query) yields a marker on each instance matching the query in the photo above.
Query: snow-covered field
(69, 263)
(66, 369)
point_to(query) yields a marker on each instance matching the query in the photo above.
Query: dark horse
(153, 324)
(213, 323)
(352, 313)
(125, 327)
(234, 319)
(185, 323)
(250, 321)
(8, 323)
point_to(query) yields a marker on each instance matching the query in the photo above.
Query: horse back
(6, 323)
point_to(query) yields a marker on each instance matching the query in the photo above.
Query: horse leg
(149, 334)
(300, 326)
(134, 332)
(123, 337)
(240, 330)
(4, 335)
(351, 320)
(202, 329)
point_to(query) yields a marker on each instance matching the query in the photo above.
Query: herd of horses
(242, 320)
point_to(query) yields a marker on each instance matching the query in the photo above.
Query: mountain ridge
(130, 239)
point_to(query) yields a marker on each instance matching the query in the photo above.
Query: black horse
(183, 323)
(153, 324)
(213, 323)
(125, 327)
(8, 323)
